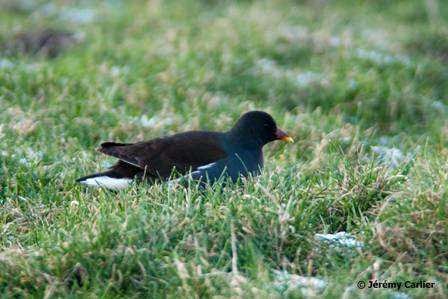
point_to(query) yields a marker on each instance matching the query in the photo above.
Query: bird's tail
(107, 179)
(118, 177)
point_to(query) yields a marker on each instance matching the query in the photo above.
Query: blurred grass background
(361, 85)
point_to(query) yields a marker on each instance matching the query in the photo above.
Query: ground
(361, 85)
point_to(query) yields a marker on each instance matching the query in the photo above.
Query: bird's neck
(244, 140)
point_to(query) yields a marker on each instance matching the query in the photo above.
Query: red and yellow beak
(281, 135)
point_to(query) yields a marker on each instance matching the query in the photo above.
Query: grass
(349, 80)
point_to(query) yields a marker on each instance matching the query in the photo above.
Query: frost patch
(78, 15)
(71, 14)
(28, 156)
(269, 67)
(391, 156)
(378, 38)
(334, 41)
(380, 58)
(293, 33)
(306, 78)
(437, 105)
(384, 140)
(308, 286)
(301, 79)
(341, 239)
(6, 64)
(155, 122)
(117, 71)
(400, 295)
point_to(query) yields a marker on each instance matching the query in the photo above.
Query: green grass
(342, 77)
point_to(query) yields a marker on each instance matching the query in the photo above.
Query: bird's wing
(133, 153)
(158, 157)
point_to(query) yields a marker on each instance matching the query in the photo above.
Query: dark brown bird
(206, 156)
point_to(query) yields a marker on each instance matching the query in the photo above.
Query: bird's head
(257, 128)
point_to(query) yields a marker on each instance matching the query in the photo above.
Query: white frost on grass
(292, 33)
(148, 122)
(341, 239)
(24, 161)
(378, 38)
(400, 295)
(79, 36)
(77, 15)
(115, 71)
(440, 106)
(155, 121)
(306, 78)
(72, 14)
(334, 41)
(6, 64)
(270, 68)
(380, 58)
(391, 156)
(24, 156)
(308, 286)
(384, 140)
(74, 204)
(30, 157)
(302, 35)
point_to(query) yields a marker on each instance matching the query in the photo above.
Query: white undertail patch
(203, 167)
(107, 182)
(206, 166)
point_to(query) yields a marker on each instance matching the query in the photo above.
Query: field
(362, 86)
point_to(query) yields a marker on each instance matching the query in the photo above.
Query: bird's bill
(281, 135)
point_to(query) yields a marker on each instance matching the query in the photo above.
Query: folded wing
(159, 157)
